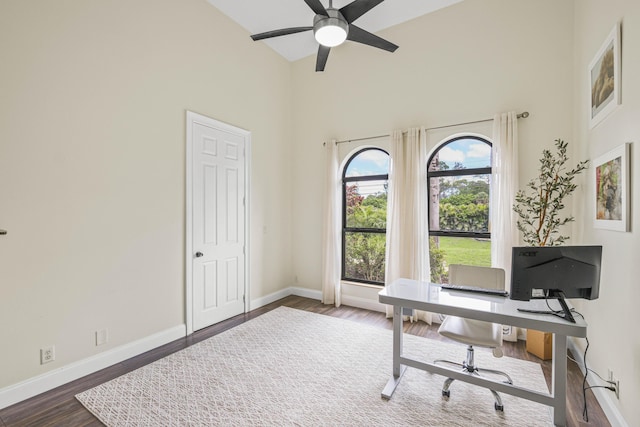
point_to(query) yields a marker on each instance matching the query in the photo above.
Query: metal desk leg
(398, 370)
(559, 379)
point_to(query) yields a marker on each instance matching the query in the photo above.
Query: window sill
(364, 285)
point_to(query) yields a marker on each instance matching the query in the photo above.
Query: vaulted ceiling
(258, 16)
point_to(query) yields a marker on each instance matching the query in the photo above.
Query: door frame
(193, 118)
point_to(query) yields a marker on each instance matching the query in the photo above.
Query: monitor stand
(566, 312)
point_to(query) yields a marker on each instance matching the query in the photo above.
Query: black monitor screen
(555, 271)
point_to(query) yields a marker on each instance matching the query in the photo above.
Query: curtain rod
(523, 115)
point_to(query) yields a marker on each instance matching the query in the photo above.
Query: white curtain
(407, 253)
(331, 241)
(504, 185)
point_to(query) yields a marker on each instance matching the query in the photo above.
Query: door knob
(3, 232)
(199, 254)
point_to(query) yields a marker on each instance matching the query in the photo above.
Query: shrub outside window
(364, 216)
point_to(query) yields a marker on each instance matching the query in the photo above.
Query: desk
(429, 297)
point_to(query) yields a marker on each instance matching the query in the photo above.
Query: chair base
(469, 367)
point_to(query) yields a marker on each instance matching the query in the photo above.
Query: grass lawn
(468, 251)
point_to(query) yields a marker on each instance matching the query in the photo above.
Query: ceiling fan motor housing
(332, 29)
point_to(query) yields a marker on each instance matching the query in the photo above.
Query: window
(459, 174)
(364, 216)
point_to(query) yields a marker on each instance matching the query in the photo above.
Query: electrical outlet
(47, 354)
(102, 336)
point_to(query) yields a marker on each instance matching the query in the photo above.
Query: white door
(216, 211)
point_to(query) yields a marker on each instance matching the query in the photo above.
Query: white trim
(366, 303)
(189, 224)
(191, 119)
(268, 299)
(351, 301)
(306, 293)
(33, 386)
(603, 396)
(247, 222)
(283, 293)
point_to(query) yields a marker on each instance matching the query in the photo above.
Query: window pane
(366, 204)
(459, 203)
(365, 214)
(364, 256)
(368, 162)
(464, 153)
(445, 251)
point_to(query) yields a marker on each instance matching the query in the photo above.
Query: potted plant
(540, 206)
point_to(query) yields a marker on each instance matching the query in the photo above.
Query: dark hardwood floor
(59, 407)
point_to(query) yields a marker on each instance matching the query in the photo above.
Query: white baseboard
(34, 386)
(351, 301)
(268, 299)
(603, 396)
(306, 293)
(283, 293)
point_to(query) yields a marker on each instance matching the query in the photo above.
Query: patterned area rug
(293, 368)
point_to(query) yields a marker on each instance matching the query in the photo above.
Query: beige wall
(92, 175)
(459, 64)
(613, 318)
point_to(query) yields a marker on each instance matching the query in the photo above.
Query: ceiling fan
(331, 27)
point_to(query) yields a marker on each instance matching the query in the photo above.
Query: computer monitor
(557, 272)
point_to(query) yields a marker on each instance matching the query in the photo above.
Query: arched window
(364, 216)
(459, 174)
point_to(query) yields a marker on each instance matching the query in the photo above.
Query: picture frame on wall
(612, 189)
(604, 78)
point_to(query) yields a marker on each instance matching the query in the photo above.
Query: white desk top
(497, 309)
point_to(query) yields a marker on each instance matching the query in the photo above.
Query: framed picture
(612, 189)
(604, 78)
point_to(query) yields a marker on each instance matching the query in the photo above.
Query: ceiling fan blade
(323, 55)
(316, 6)
(356, 9)
(357, 34)
(281, 32)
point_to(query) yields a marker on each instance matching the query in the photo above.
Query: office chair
(474, 332)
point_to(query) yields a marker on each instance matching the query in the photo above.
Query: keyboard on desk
(475, 289)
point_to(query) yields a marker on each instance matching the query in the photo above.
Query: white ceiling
(258, 16)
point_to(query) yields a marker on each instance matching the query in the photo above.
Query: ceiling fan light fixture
(330, 30)
(331, 27)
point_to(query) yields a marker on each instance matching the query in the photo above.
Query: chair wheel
(498, 407)
(446, 393)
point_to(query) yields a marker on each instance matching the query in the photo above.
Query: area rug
(294, 368)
